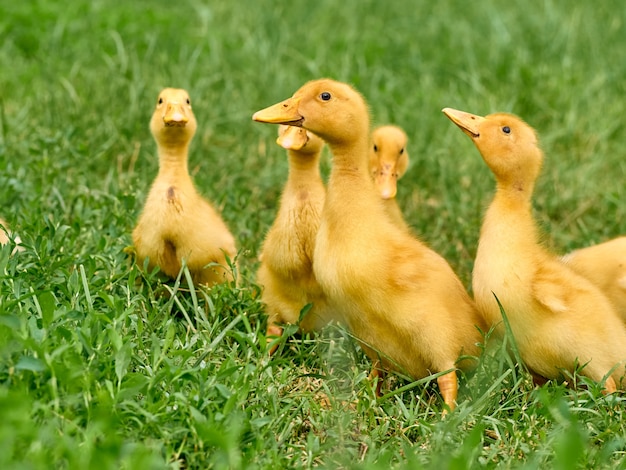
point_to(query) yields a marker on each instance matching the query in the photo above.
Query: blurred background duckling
(176, 223)
(6, 235)
(389, 160)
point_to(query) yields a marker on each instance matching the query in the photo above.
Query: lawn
(104, 366)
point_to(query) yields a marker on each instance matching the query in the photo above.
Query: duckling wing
(549, 297)
(560, 289)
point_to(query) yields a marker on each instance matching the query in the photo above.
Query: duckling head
(173, 121)
(389, 159)
(299, 139)
(334, 111)
(507, 144)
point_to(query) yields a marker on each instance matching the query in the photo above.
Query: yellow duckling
(604, 265)
(5, 231)
(558, 318)
(286, 271)
(389, 161)
(4, 238)
(398, 297)
(177, 223)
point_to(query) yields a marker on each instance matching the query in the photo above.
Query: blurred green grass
(98, 371)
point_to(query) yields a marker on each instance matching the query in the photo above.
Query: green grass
(102, 366)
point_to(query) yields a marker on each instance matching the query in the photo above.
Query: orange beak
(292, 138)
(469, 123)
(175, 116)
(285, 112)
(387, 182)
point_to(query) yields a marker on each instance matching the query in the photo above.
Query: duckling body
(604, 265)
(286, 271)
(177, 223)
(398, 297)
(558, 318)
(389, 161)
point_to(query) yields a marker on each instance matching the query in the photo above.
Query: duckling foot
(273, 332)
(609, 386)
(449, 389)
(538, 380)
(378, 375)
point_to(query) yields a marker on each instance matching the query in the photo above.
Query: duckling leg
(449, 389)
(609, 386)
(377, 374)
(273, 332)
(597, 374)
(538, 379)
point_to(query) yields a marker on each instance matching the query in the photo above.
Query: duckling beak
(292, 138)
(386, 182)
(469, 123)
(285, 112)
(175, 116)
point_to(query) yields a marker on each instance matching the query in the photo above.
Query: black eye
(506, 129)
(188, 101)
(325, 96)
(375, 148)
(401, 151)
(160, 100)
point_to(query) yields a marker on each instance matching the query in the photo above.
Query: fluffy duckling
(389, 161)
(558, 318)
(398, 297)
(604, 265)
(4, 238)
(5, 231)
(177, 223)
(286, 271)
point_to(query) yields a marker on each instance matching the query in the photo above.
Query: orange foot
(609, 386)
(449, 389)
(377, 374)
(273, 332)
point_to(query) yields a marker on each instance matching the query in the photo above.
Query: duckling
(389, 161)
(557, 317)
(177, 223)
(5, 231)
(402, 300)
(604, 265)
(4, 238)
(286, 271)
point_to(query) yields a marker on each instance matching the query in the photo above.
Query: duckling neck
(515, 191)
(350, 186)
(302, 167)
(173, 159)
(509, 218)
(350, 164)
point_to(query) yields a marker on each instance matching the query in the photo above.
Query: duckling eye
(325, 96)
(506, 129)
(401, 151)
(375, 148)
(188, 101)
(160, 100)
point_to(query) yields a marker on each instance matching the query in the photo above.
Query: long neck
(514, 196)
(509, 217)
(303, 168)
(173, 159)
(350, 165)
(350, 196)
